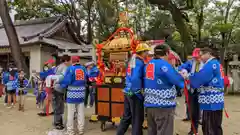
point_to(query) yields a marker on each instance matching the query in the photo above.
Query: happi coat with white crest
(133, 98)
(134, 76)
(159, 84)
(210, 82)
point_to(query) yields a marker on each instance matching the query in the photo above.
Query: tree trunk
(89, 26)
(223, 49)
(182, 28)
(12, 37)
(179, 20)
(200, 24)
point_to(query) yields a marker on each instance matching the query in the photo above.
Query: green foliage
(223, 28)
(35, 9)
(176, 36)
(209, 19)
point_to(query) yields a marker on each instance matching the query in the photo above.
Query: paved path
(13, 122)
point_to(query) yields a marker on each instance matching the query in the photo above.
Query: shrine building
(40, 38)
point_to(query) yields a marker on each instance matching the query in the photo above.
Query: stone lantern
(234, 67)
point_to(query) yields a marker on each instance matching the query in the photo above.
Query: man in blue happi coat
(210, 82)
(160, 92)
(133, 99)
(93, 73)
(48, 69)
(75, 80)
(190, 67)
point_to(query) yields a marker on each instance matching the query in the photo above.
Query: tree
(180, 18)
(199, 16)
(82, 15)
(181, 22)
(223, 22)
(12, 36)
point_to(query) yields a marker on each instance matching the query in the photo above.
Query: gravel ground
(14, 122)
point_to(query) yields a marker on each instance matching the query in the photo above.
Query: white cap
(89, 63)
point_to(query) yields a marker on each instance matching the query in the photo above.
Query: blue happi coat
(93, 73)
(75, 80)
(210, 82)
(11, 83)
(187, 65)
(159, 82)
(44, 74)
(190, 66)
(134, 77)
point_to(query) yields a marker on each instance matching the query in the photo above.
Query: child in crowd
(38, 90)
(23, 84)
(41, 95)
(10, 82)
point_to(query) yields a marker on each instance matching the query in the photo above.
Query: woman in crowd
(22, 89)
(10, 82)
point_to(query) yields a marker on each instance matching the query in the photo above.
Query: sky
(11, 15)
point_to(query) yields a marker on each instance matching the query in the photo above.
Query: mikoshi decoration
(112, 56)
(114, 37)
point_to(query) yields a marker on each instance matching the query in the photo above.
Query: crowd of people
(15, 85)
(66, 82)
(150, 88)
(152, 85)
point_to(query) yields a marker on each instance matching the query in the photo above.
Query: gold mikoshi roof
(118, 44)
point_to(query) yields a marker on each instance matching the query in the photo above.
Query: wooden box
(109, 101)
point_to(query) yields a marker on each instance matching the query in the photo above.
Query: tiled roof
(65, 45)
(22, 30)
(39, 30)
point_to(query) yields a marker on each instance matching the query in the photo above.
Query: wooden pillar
(93, 52)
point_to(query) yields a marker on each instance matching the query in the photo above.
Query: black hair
(65, 58)
(207, 50)
(161, 50)
(20, 70)
(11, 65)
(216, 53)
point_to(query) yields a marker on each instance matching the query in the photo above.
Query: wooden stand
(110, 101)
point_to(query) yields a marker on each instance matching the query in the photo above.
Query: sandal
(59, 127)
(42, 114)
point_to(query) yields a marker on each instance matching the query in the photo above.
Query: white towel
(132, 62)
(51, 78)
